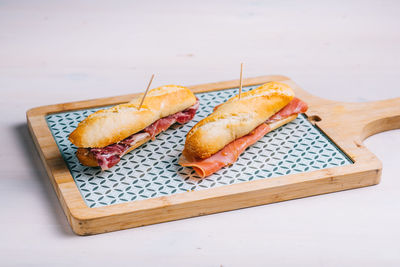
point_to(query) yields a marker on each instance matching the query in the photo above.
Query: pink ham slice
(230, 153)
(226, 156)
(295, 106)
(110, 155)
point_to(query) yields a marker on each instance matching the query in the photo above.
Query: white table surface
(61, 51)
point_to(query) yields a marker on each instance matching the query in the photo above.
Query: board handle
(358, 120)
(376, 117)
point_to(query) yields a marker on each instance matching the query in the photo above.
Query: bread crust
(236, 118)
(109, 126)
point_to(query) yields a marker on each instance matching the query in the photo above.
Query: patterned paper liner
(152, 170)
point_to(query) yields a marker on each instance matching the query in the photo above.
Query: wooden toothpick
(241, 74)
(145, 93)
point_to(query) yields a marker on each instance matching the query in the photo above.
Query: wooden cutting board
(343, 126)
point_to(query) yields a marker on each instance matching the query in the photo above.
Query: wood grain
(347, 124)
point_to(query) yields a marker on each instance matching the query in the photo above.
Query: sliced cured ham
(164, 123)
(110, 155)
(230, 153)
(295, 106)
(226, 156)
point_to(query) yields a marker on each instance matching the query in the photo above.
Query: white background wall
(61, 51)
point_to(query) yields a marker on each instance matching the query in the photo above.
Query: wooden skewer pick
(145, 93)
(241, 74)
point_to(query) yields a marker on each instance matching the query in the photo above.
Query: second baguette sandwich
(220, 138)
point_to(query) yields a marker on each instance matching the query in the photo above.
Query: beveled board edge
(365, 171)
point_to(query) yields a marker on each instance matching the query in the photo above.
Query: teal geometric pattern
(152, 170)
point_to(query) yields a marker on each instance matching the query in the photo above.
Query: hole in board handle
(314, 118)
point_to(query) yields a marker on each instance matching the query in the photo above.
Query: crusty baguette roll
(236, 118)
(109, 126)
(167, 99)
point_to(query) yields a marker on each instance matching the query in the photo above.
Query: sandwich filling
(110, 155)
(230, 153)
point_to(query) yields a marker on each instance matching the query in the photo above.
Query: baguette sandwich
(219, 139)
(106, 135)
